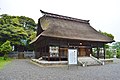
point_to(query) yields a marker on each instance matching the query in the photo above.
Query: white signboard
(72, 56)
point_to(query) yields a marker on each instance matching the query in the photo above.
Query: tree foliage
(107, 34)
(116, 45)
(118, 53)
(5, 48)
(12, 33)
(16, 28)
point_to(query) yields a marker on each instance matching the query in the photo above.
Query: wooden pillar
(91, 51)
(45, 49)
(45, 53)
(59, 54)
(68, 49)
(60, 49)
(97, 52)
(42, 51)
(49, 53)
(104, 50)
(49, 56)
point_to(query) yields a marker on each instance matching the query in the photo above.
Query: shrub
(109, 54)
(5, 48)
(118, 54)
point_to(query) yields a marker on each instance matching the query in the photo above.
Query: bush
(109, 54)
(5, 48)
(118, 54)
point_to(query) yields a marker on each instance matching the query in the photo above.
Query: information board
(72, 56)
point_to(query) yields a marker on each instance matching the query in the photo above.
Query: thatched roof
(59, 26)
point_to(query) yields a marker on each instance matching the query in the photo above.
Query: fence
(20, 55)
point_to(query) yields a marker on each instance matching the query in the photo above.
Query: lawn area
(4, 62)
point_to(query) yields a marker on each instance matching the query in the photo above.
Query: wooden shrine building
(56, 34)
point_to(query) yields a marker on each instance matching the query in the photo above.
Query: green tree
(5, 48)
(116, 46)
(12, 33)
(107, 34)
(118, 53)
(109, 54)
(17, 28)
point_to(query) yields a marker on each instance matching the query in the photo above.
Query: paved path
(25, 70)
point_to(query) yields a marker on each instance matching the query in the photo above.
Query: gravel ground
(26, 70)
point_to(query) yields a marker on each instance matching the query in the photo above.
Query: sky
(104, 15)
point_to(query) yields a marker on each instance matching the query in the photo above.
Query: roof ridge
(64, 17)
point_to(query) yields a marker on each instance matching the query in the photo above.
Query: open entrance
(63, 54)
(84, 52)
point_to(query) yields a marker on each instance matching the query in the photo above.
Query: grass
(4, 62)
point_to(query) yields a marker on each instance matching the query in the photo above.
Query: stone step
(88, 61)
